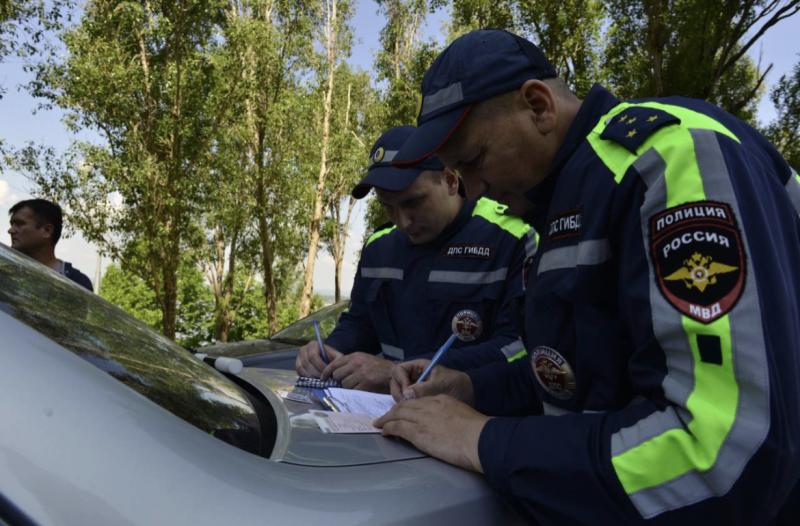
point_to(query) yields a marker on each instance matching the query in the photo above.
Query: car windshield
(126, 349)
(301, 332)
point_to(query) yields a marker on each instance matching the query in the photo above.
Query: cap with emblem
(475, 67)
(386, 176)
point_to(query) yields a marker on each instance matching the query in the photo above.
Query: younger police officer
(661, 310)
(448, 265)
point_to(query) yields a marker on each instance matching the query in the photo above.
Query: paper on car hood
(300, 441)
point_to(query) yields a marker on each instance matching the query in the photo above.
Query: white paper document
(330, 422)
(360, 402)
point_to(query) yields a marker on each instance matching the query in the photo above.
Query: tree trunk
(340, 244)
(316, 218)
(170, 301)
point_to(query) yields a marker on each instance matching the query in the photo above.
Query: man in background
(35, 230)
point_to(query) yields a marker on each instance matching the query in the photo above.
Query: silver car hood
(299, 442)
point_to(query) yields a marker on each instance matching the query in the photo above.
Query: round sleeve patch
(699, 258)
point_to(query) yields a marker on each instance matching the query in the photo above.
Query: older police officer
(662, 305)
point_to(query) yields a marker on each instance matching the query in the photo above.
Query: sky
(20, 125)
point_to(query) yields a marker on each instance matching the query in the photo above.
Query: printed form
(356, 411)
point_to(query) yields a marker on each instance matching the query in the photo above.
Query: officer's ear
(451, 179)
(47, 230)
(537, 98)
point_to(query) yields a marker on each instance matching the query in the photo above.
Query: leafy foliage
(194, 323)
(233, 130)
(784, 132)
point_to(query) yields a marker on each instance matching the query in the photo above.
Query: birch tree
(335, 43)
(354, 123)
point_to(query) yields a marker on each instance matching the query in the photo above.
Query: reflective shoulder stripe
(793, 189)
(379, 233)
(514, 351)
(494, 212)
(618, 159)
(382, 272)
(696, 448)
(467, 278)
(393, 352)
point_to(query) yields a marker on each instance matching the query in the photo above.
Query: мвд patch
(699, 258)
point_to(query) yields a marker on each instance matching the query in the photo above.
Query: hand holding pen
(321, 344)
(437, 357)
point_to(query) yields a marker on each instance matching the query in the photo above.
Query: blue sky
(18, 125)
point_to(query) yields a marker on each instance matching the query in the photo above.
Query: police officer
(662, 305)
(446, 265)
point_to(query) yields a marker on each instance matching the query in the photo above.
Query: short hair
(46, 213)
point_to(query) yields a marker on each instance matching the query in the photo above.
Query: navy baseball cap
(386, 176)
(476, 66)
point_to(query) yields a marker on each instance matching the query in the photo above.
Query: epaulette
(380, 232)
(633, 125)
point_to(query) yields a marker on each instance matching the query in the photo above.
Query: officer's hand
(441, 381)
(440, 426)
(360, 370)
(309, 360)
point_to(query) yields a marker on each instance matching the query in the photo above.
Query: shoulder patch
(634, 125)
(699, 258)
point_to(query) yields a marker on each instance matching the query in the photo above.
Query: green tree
(784, 131)
(352, 125)
(335, 39)
(268, 47)
(229, 256)
(693, 48)
(138, 73)
(402, 59)
(23, 29)
(569, 33)
(195, 310)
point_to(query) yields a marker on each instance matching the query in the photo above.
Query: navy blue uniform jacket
(662, 320)
(408, 299)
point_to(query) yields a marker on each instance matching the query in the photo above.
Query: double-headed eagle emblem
(699, 272)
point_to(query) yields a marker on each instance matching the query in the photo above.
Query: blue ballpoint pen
(436, 357)
(322, 351)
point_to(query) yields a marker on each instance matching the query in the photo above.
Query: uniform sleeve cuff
(493, 444)
(483, 380)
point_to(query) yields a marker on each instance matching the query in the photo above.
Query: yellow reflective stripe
(712, 404)
(494, 212)
(618, 159)
(683, 179)
(522, 354)
(713, 401)
(379, 233)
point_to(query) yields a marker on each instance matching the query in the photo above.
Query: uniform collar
(596, 104)
(455, 225)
